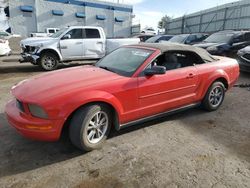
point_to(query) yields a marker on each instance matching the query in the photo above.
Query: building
(29, 16)
(231, 16)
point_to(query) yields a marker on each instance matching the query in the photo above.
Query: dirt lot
(190, 149)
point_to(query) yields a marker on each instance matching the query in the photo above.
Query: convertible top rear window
(124, 61)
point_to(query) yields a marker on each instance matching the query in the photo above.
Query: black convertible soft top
(168, 46)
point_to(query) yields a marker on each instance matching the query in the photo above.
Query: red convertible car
(130, 85)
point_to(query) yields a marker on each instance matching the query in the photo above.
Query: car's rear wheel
(49, 61)
(214, 96)
(90, 126)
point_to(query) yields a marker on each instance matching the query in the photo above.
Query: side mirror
(155, 70)
(67, 36)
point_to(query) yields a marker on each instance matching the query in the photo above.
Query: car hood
(62, 82)
(35, 41)
(245, 50)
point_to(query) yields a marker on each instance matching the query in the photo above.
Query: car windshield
(219, 38)
(178, 38)
(124, 61)
(152, 39)
(59, 33)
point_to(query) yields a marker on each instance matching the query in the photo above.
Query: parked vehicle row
(159, 38)
(226, 43)
(223, 43)
(143, 37)
(189, 38)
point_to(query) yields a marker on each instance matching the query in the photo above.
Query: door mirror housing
(67, 36)
(155, 70)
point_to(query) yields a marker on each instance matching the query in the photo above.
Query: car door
(94, 44)
(240, 42)
(174, 89)
(71, 44)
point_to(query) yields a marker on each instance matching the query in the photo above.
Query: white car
(6, 35)
(4, 47)
(149, 31)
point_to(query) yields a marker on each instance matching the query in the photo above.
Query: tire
(49, 61)
(83, 134)
(214, 96)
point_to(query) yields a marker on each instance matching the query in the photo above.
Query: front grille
(246, 56)
(20, 105)
(28, 49)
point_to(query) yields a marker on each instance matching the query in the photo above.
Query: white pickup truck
(70, 44)
(48, 32)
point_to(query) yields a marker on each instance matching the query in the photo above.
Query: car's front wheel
(214, 96)
(90, 126)
(49, 61)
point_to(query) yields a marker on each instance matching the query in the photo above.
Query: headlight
(212, 48)
(34, 48)
(37, 111)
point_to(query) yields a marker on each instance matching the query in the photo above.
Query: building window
(118, 19)
(26, 8)
(80, 15)
(100, 17)
(57, 12)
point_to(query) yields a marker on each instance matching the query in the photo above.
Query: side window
(201, 37)
(190, 39)
(76, 33)
(175, 60)
(239, 38)
(92, 34)
(247, 36)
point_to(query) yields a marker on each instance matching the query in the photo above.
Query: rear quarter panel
(208, 73)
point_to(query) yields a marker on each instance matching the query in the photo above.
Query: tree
(162, 24)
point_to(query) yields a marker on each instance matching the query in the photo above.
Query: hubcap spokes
(97, 127)
(49, 62)
(216, 96)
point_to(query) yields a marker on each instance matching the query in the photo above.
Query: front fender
(82, 99)
(55, 50)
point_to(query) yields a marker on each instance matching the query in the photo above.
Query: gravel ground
(189, 149)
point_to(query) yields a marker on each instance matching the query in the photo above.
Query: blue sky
(149, 12)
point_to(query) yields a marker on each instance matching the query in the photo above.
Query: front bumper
(31, 127)
(244, 65)
(31, 58)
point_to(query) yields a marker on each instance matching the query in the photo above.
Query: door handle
(99, 42)
(191, 75)
(78, 42)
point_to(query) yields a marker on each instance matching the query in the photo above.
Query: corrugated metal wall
(231, 16)
(41, 17)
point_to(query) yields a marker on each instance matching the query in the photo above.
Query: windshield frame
(61, 31)
(184, 37)
(121, 72)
